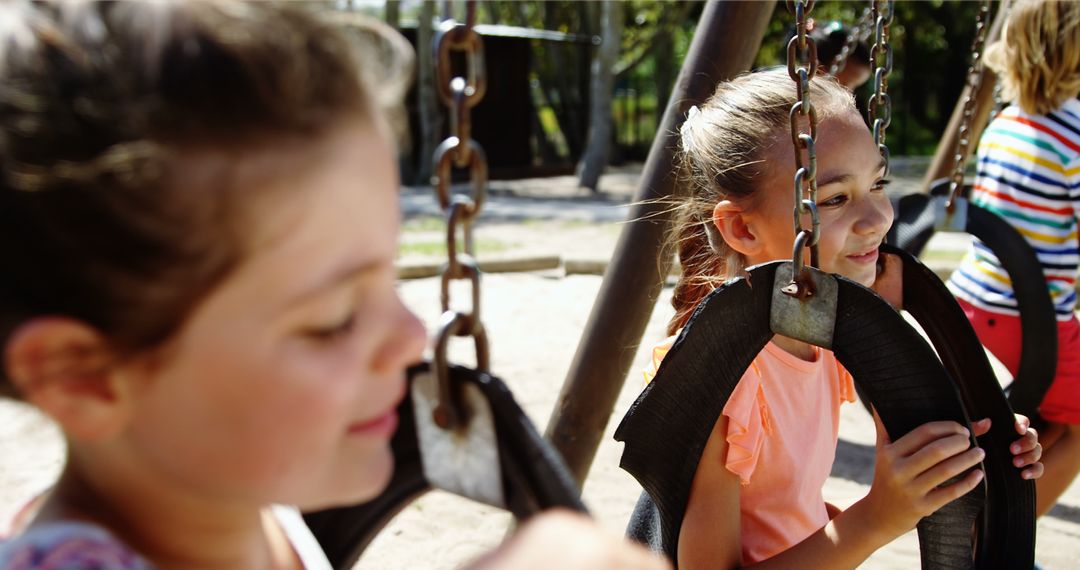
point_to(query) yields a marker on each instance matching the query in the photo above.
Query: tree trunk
(393, 14)
(596, 150)
(427, 98)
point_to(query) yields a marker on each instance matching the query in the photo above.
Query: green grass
(438, 248)
(424, 224)
(545, 223)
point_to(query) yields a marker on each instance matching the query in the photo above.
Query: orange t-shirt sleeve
(748, 422)
(658, 353)
(847, 384)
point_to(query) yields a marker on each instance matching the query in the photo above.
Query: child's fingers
(919, 437)
(980, 427)
(941, 472)
(1022, 424)
(1025, 444)
(1030, 458)
(946, 494)
(1034, 471)
(932, 454)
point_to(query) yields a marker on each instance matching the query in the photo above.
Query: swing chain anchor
(801, 285)
(450, 413)
(802, 65)
(879, 107)
(460, 93)
(973, 81)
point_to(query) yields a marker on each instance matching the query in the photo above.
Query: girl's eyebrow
(335, 279)
(835, 177)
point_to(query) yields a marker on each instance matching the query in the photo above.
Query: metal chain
(802, 64)
(879, 106)
(858, 33)
(973, 82)
(460, 93)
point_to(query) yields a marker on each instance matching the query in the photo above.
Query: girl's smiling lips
(869, 256)
(382, 426)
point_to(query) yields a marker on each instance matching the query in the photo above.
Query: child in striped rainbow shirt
(1029, 174)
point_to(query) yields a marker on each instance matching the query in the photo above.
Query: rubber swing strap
(932, 305)
(668, 425)
(913, 225)
(1038, 319)
(917, 216)
(531, 475)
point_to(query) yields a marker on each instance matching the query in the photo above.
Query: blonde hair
(1038, 56)
(723, 149)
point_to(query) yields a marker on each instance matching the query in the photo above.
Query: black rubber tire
(666, 428)
(535, 477)
(913, 228)
(932, 305)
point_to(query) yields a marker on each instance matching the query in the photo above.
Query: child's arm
(565, 540)
(909, 477)
(710, 536)
(908, 484)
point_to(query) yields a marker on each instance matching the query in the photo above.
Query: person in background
(1028, 172)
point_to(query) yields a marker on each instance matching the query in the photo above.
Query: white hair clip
(684, 129)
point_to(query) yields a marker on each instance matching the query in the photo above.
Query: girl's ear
(730, 220)
(63, 367)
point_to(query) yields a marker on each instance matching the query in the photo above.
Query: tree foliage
(931, 42)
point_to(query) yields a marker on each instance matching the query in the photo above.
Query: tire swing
(947, 209)
(667, 427)
(460, 429)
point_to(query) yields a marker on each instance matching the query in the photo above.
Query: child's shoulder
(68, 544)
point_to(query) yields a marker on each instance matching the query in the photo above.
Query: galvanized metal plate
(943, 222)
(463, 460)
(812, 319)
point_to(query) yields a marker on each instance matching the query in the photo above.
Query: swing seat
(667, 427)
(498, 439)
(919, 215)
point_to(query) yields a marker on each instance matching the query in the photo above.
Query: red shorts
(1001, 335)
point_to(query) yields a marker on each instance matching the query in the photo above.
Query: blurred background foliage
(931, 41)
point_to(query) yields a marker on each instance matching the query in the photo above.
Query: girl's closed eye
(330, 333)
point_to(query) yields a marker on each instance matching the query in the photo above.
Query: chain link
(858, 33)
(973, 83)
(460, 93)
(802, 65)
(879, 107)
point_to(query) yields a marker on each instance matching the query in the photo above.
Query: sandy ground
(535, 320)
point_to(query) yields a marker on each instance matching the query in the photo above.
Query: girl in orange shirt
(771, 450)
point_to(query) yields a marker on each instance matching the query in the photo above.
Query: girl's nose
(875, 216)
(405, 343)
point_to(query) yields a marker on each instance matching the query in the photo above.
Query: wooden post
(727, 39)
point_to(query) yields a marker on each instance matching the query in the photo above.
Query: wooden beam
(727, 39)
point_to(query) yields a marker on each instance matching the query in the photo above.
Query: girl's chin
(861, 275)
(356, 486)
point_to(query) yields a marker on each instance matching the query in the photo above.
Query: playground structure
(630, 286)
